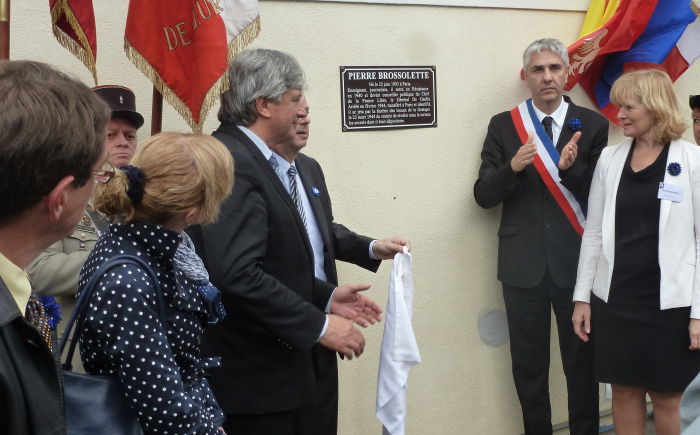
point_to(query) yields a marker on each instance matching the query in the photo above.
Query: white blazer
(679, 230)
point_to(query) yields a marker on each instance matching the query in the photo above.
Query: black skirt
(636, 343)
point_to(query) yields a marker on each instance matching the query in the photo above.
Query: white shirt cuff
(323, 331)
(371, 254)
(328, 305)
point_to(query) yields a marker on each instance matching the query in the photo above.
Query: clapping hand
(569, 153)
(525, 155)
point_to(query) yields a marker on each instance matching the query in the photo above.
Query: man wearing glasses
(55, 272)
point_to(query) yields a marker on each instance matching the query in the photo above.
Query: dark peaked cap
(122, 101)
(694, 101)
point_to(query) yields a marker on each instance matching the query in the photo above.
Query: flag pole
(156, 110)
(4, 29)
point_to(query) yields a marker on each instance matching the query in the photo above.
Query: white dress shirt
(558, 118)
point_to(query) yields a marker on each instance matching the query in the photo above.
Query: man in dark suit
(272, 254)
(538, 244)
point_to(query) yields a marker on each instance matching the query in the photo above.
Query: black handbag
(96, 405)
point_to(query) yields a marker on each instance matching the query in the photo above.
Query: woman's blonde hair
(181, 171)
(654, 89)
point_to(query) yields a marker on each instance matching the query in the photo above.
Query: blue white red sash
(547, 163)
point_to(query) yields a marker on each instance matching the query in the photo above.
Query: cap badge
(87, 220)
(121, 100)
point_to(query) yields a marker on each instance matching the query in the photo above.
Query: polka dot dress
(160, 368)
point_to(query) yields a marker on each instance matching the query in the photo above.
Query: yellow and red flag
(184, 46)
(624, 35)
(74, 26)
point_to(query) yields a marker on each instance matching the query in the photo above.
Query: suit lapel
(266, 167)
(315, 201)
(566, 133)
(675, 154)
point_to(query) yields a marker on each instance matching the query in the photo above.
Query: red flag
(183, 47)
(74, 27)
(623, 22)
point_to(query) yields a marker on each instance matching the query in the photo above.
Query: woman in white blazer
(638, 258)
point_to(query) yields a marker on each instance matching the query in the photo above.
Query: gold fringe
(221, 85)
(695, 7)
(84, 52)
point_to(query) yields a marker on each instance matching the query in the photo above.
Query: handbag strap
(80, 311)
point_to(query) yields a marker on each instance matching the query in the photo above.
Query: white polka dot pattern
(160, 369)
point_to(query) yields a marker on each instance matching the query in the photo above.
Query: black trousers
(292, 422)
(529, 324)
(323, 408)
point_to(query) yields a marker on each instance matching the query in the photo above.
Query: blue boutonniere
(575, 124)
(674, 168)
(51, 307)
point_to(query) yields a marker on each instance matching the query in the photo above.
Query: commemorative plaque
(378, 97)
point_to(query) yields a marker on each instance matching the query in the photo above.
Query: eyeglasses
(104, 174)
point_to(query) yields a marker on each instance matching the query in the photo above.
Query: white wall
(416, 183)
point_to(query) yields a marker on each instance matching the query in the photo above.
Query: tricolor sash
(547, 163)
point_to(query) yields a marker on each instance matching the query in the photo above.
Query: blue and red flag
(624, 35)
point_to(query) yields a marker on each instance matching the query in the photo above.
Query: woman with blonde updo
(174, 180)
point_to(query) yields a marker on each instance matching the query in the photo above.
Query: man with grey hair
(272, 254)
(52, 146)
(538, 161)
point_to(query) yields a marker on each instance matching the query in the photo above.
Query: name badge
(671, 192)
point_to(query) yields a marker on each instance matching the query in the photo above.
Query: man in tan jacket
(56, 271)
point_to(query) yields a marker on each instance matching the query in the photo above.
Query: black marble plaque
(386, 97)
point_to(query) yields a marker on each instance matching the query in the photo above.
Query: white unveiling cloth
(399, 349)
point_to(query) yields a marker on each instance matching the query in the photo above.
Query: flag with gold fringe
(184, 47)
(73, 23)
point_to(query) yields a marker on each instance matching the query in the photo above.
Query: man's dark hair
(51, 126)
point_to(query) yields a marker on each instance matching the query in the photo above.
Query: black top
(637, 231)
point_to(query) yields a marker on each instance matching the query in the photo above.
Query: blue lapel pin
(315, 191)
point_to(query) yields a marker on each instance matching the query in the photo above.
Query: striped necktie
(295, 194)
(275, 166)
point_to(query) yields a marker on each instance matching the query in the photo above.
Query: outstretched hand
(349, 303)
(386, 249)
(569, 153)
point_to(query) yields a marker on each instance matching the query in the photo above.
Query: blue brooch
(315, 191)
(575, 124)
(51, 307)
(674, 168)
